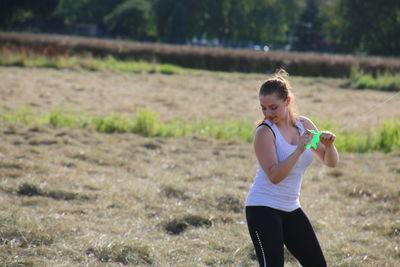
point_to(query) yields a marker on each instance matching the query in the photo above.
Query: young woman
(273, 212)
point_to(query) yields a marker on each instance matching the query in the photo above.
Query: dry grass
(221, 59)
(72, 197)
(189, 97)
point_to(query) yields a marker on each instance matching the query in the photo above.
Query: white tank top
(284, 195)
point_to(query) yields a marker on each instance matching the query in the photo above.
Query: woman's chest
(290, 136)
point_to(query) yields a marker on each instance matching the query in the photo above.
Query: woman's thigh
(265, 228)
(301, 241)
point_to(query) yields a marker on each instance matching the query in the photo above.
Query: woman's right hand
(305, 139)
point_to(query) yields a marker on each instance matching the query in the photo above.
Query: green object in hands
(314, 140)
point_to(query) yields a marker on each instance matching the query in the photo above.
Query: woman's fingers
(327, 136)
(307, 137)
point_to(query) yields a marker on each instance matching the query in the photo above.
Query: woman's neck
(285, 123)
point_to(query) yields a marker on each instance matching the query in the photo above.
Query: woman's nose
(268, 113)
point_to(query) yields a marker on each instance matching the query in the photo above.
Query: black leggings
(270, 229)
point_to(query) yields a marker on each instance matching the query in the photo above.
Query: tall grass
(145, 123)
(382, 81)
(206, 58)
(27, 59)
(388, 136)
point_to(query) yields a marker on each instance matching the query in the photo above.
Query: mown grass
(121, 253)
(27, 59)
(175, 201)
(385, 81)
(145, 123)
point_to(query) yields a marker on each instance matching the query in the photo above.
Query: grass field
(77, 197)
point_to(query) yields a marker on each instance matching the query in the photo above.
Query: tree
(74, 12)
(131, 19)
(272, 20)
(21, 14)
(308, 28)
(178, 20)
(366, 26)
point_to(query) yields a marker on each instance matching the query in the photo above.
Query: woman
(273, 212)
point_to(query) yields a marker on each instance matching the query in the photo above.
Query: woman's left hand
(327, 138)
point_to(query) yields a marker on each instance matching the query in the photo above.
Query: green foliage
(84, 11)
(385, 82)
(14, 14)
(365, 26)
(176, 21)
(388, 136)
(58, 118)
(145, 123)
(131, 19)
(112, 124)
(386, 139)
(228, 20)
(309, 27)
(168, 69)
(22, 115)
(354, 142)
(224, 130)
(10, 58)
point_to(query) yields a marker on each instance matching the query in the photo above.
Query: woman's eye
(272, 108)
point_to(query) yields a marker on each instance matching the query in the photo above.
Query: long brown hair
(280, 86)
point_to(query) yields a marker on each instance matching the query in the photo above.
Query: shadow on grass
(30, 190)
(177, 226)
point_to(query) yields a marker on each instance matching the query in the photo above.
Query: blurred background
(363, 27)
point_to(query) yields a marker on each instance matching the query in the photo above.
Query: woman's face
(274, 108)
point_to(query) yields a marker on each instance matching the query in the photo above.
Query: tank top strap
(269, 125)
(300, 126)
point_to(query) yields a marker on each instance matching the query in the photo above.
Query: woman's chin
(273, 120)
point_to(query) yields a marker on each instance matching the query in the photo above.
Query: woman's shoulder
(307, 122)
(304, 120)
(264, 129)
(264, 122)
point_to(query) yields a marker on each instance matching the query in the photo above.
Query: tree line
(343, 26)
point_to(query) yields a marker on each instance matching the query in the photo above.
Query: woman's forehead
(270, 99)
